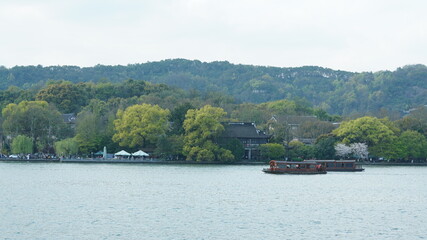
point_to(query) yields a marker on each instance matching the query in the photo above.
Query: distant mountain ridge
(338, 92)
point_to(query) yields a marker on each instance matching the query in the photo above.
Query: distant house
(69, 118)
(248, 135)
(293, 123)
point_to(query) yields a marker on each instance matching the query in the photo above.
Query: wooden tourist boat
(285, 167)
(339, 165)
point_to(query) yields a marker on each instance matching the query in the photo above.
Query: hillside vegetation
(72, 119)
(336, 92)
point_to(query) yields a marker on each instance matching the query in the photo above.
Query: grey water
(143, 201)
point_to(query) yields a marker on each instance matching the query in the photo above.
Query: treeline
(176, 124)
(37, 114)
(336, 92)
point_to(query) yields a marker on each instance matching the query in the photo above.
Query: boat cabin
(339, 165)
(281, 167)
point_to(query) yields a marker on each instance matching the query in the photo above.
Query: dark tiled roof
(242, 130)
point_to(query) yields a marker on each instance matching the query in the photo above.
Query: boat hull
(279, 171)
(345, 170)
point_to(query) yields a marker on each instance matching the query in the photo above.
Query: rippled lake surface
(124, 201)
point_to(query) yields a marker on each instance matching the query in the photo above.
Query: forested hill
(337, 92)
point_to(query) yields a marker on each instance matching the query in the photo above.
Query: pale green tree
(376, 133)
(66, 147)
(202, 127)
(369, 130)
(140, 124)
(22, 145)
(272, 151)
(281, 107)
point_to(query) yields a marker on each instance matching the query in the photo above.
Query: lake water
(142, 201)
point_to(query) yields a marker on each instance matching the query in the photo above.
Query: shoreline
(157, 161)
(392, 164)
(126, 161)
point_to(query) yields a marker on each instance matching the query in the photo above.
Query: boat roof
(326, 161)
(289, 162)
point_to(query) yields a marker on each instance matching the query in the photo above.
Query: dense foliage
(185, 123)
(35, 119)
(67, 147)
(202, 127)
(22, 145)
(337, 92)
(140, 125)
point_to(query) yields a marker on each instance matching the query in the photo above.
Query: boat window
(330, 164)
(349, 165)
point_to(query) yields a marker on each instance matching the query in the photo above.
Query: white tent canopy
(140, 153)
(122, 153)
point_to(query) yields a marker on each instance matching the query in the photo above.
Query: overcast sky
(352, 35)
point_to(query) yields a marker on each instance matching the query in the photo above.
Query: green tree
(235, 146)
(15, 95)
(202, 127)
(178, 117)
(271, 151)
(22, 145)
(89, 129)
(370, 130)
(324, 147)
(299, 151)
(67, 147)
(105, 90)
(131, 88)
(324, 116)
(170, 147)
(313, 129)
(411, 123)
(35, 119)
(67, 97)
(281, 107)
(410, 145)
(139, 125)
(249, 112)
(420, 113)
(95, 127)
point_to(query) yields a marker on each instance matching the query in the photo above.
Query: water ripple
(84, 201)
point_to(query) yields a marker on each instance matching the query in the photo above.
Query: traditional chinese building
(248, 135)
